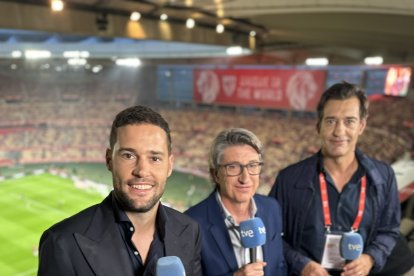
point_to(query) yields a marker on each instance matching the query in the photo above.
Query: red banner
(279, 89)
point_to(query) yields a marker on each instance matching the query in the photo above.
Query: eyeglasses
(236, 169)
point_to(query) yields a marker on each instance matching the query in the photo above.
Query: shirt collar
(161, 219)
(228, 215)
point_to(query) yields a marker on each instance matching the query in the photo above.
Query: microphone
(351, 246)
(170, 265)
(253, 234)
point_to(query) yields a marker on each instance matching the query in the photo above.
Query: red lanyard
(325, 203)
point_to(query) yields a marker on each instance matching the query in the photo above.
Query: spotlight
(163, 17)
(374, 60)
(135, 16)
(57, 5)
(220, 28)
(321, 61)
(190, 23)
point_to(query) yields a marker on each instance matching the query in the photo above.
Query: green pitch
(31, 204)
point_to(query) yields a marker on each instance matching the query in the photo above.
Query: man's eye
(127, 155)
(350, 122)
(253, 165)
(330, 121)
(156, 159)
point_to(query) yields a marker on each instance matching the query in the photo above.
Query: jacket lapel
(219, 232)
(102, 245)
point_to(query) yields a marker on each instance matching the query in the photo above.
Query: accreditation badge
(331, 258)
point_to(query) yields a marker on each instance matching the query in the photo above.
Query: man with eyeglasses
(235, 163)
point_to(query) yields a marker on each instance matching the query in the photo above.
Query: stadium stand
(62, 120)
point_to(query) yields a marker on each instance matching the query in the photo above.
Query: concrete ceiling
(345, 31)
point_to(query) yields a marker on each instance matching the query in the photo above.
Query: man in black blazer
(130, 230)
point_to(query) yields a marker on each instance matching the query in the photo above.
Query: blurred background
(67, 67)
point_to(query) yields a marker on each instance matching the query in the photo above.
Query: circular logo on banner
(300, 89)
(208, 86)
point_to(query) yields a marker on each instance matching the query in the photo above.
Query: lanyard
(325, 203)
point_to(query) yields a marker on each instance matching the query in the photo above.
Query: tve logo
(252, 233)
(351, 246)
(355, 247)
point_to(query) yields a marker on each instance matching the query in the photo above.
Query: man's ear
(213, 175)
(362, 125)
(108, 159)
(170, 164)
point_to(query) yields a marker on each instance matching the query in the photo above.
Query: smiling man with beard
(130, 230)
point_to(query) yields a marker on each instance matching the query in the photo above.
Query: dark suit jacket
(217, 255)
(89, 243)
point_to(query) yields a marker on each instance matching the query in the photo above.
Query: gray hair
(233, 136)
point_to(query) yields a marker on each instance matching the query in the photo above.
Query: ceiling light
(135, 16)
(77, 61)
(76, 54)
(252, 33)
(321, 61)
(234, 50)
(190, 23)
(163, 17)
(57, 5)
(36, 54)
(16, 54)
(374, 60)
(97, 68)
(220, 28)
(129, 62)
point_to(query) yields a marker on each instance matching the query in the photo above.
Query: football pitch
(31, 204)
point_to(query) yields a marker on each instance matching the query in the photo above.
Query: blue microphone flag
(252, 233)
(351, 246)
(170, 265)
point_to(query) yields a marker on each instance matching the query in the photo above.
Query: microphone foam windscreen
(170, 265)
(351, 246)
(252, 233)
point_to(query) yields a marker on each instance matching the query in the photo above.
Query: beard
(128, 204)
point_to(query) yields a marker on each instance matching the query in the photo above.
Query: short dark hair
(343, 91)
(136, 115)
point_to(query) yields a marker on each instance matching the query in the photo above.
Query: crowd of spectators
(45, 119)
(50, 132)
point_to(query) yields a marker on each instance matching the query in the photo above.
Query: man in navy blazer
(130, 230)
(235, 164)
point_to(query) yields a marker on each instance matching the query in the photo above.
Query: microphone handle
(253, 255)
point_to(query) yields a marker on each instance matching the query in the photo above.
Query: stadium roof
(344, 31)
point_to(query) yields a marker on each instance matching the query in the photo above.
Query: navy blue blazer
(217, 255)
(89, 243)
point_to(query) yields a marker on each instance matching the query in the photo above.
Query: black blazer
(89, 243)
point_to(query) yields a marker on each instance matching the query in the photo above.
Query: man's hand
(254, 269)
(360, 267)
(314, 269)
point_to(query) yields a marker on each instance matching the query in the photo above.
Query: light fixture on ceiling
(234, 50)
(135, 16)
(378, 60)
(37, 54)
(190, 23)
(57, 5)
(220, 28)
(319, 61)
(77, 61)
(163, 17)
(129, 62)
(16, 54)
(76, 54)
